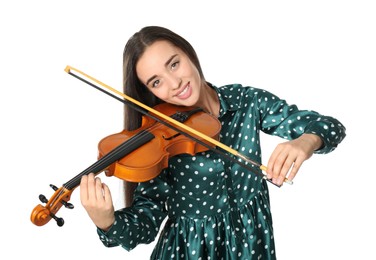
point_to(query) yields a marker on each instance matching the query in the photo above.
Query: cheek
(161, 93)
(193, 72)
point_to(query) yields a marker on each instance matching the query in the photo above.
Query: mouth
(185, 92)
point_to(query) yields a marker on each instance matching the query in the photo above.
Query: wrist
(105, 226)
(314, 140)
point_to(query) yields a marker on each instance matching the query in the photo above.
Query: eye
(155, 83)
(175, 64)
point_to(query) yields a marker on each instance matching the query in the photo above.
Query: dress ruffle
(219, 236)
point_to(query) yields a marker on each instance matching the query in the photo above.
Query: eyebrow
(166, 64)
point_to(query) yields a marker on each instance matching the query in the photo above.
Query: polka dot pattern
(217, 209)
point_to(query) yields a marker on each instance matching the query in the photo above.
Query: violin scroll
(41, 215)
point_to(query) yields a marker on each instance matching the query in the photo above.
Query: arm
(307, 132)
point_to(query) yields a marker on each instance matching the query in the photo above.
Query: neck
(209, 100)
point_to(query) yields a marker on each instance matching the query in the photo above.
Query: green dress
(217, 209)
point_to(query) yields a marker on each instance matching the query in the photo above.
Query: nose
(176, 82)
(179, 84)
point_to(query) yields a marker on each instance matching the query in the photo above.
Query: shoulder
(238, 93)
(237, 89)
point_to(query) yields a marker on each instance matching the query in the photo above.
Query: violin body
(148, 160)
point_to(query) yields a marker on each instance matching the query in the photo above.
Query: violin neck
(116, 154)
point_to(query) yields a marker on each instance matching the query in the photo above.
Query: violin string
(102, 163)
(114, 155)
(144, 112)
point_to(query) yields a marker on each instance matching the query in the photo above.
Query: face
(169, 74)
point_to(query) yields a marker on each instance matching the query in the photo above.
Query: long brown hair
(134, 88)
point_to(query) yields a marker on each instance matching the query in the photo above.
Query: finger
(83, 188)
(278, 164)
(272, 163)
(288, 165)
(91, 186)
(295, 169)
(106, 193)
(98, 189)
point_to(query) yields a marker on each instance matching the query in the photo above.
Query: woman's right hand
(97, 201)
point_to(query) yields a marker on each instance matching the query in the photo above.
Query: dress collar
(227, 101)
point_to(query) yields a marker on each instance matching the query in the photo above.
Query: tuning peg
(67, 204)
(53, 187)
(59, 221)
(43, 198)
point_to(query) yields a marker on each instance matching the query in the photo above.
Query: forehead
(160, 46)
(155, 56)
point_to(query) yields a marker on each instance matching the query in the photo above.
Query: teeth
(183, 92)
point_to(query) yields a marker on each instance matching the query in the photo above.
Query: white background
(319, 55)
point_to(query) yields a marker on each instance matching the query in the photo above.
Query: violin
(135, 156)
(140, 155)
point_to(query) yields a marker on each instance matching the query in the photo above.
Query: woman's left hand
(288, 157)
(97, 201)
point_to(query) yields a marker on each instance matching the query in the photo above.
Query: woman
(216, 209)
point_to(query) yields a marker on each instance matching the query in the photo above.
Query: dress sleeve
(139, 223)
(279, 118)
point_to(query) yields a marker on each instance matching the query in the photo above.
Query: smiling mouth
(182, 93)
